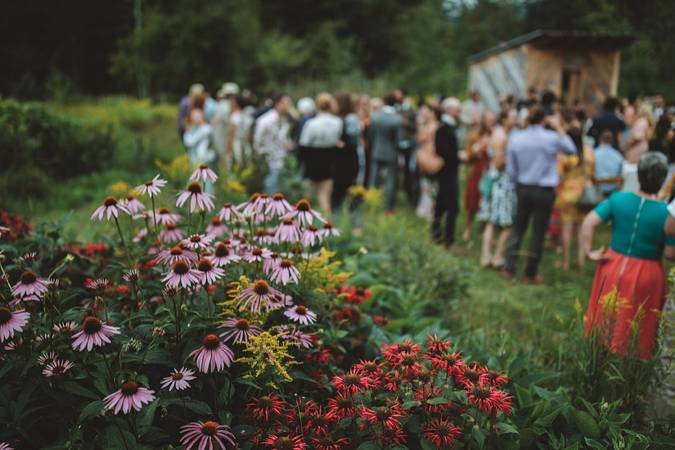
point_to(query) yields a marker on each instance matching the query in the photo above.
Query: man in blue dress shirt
(532, 165)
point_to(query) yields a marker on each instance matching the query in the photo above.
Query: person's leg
(325, 188)
(566, 237)
(520, 223)
(498, 258)
(390, 186)
(581, 257)
(486, 246)
(271, 182)
(440, 208)
(542, 201)
(453, 211)
(373, 174)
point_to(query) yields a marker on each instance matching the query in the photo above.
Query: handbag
(591, 197)
(429, 162)
(485, 184)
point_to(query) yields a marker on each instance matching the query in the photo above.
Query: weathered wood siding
(501, 74)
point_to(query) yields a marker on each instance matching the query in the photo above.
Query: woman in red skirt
(477, 159)
(629, 289)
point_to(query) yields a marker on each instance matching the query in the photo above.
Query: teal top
(637, 224)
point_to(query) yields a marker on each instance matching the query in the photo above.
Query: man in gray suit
(385, 133)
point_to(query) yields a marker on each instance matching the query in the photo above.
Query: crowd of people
(537, 163)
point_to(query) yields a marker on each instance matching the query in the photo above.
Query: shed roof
(558, 39)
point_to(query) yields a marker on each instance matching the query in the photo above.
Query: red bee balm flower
(389, 417)
(352, 382)
(284, 442)
(489, 400)
(262, 408)
(441, 432)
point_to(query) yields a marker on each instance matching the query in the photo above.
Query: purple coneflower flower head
(178, 379)
(97, 284)
(228, 213)
(198, 199)
(65, 327)
(259, 294)
(170, 233)
(57, 368)
(203, 173)
(223, 255)
(11, 322)
(300, 314)
(255, 206)
(133, 205)
(285, 273)
(175, 253)
(181, 275)
(302, 339)
(311, 236)
(213, 355)
(264, 236)
(279, 301)
(141, 235)
(328, 230)
(129, 396)
(94, 333)
(271, 263)
(304, 213)
(27, 299)
(238, 331)
(277, 206)
(131, 276)
(110, 208)
(164, 216)
(47, 358)
(4, 445)
(288, 231)
(208, 273)
(151, 187)
(197, 241)
(216, 227)
(257, 254)
(44, 338)
(209, 434)
(29, 284)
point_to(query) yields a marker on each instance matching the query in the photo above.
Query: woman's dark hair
(344, 104)
(577, 135)
(610, 104)
(438, 112)
(652, 171)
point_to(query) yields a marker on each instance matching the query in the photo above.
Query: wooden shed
(573, 64)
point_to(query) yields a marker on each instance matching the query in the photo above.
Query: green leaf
(547, 420)
(438, 401)
(427, 444)
(507, 428)
(411, 404)
(197, 406)
(93, 409)
(76, 389)
(147, 417)
(368, 445)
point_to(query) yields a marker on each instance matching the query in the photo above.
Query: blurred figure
(271, 139)
(406, 143)
(184, 107)
(532, 166)
(632, 265)
(363, 113)
(658, 106)
(346, 158)
(477, 161)
(427, 124)
(238, 133)
(307, 110)
(222, 114)
(197, 136)
(498, 202)
(319, 141)
(447, 202)
(472, 110)
(607, 119)
(608, 164)
(384, 135)
(636, 145)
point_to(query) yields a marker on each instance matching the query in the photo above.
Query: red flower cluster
(90, 250)
(16, 227)
(354, 295)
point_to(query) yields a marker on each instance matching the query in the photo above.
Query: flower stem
(154, 214)
(124, 244)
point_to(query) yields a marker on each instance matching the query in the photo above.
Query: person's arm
(591, 221)
(669, 252)
(195, 134)
(511, 163)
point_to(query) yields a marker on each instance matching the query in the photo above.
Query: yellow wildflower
(268, 359)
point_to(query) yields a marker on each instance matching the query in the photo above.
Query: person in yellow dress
(576, 171)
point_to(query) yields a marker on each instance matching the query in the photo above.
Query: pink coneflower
(44, 338)
(178, 379)
(57, 368)
(304, 213)
(311, 236)
(97, 284)
(289, 442)
(129, 396)
(65, 327)
(255, 205)
(27, 299)
(164, 216)
(203, 173)
(238, 330)
(258, 295)
(257, 254)
(94, 334)
(207, 272)
(47, 358)
(131, 276)
(29, 284)
(285, 272)
(228, 212)
(11, 322)
(300, 314)
(223, 255)
(302, 339)
(199, 200)
(288, 231)
(264, 236)
(328, 230)
(170, 233)
(209, 434)
(271, 263)
(110, 208)
(133, 205)
(216, 228)
(278, 206)
(181, 275)
(175, 253)
(213, 355)
(4, 445)
(197, 241)
(151, 187)
(141, 235)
